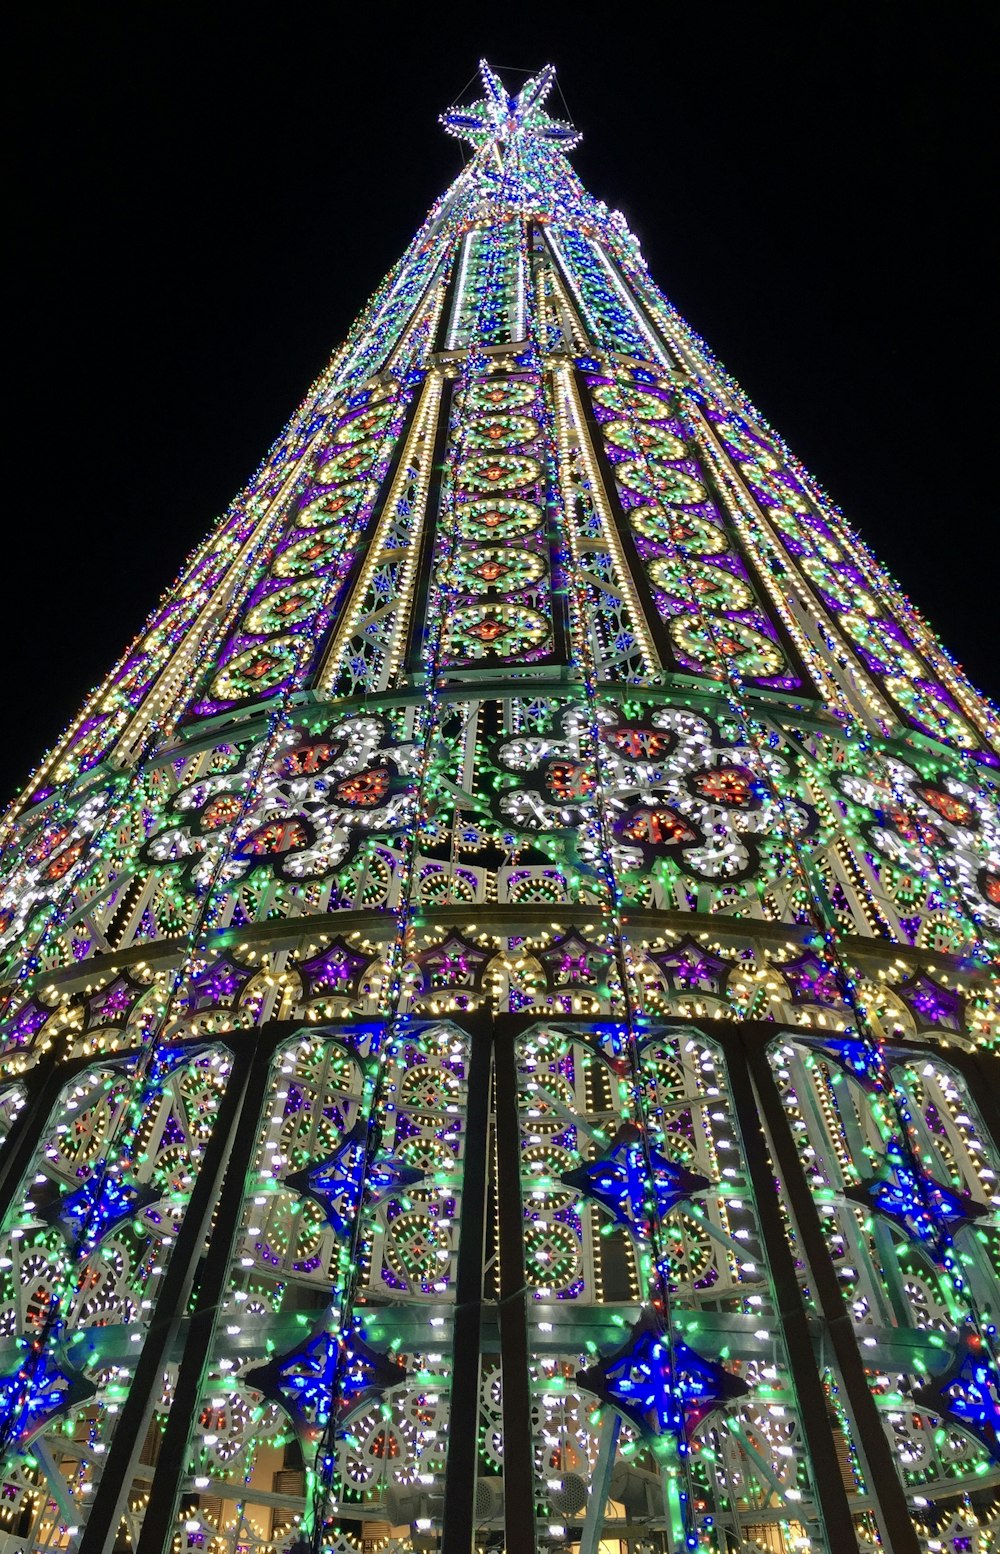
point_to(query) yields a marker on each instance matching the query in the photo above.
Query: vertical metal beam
(623, 528)
(463, 1420)
(600, 1484)
(888, 1498)
(450, 296)
(981, 1072)
(165, 1326)
(42, 1086)
(833, 1504)
(157, 1527)
(710, 479)
(518, 1463)
(429, 533)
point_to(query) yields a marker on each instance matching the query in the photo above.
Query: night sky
(204, 196)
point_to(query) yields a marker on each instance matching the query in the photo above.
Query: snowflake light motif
(674, 790)
(319, 797)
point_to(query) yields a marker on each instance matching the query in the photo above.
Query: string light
(531, 675)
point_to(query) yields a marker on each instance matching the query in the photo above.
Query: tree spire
(499, 117)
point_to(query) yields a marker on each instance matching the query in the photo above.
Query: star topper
(499, 117)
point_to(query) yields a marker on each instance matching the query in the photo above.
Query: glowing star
(624, 1181)
(327, 1376)
(690, 968)
(661, 1388)
(499, 118)
(457, 963)
(812, 981)
(859, 1060)
(932, 1003)
(111, 1004)
(35, 1391)
(336, 1184)
(222, 979)
(914, 1200)
(102, 1205)
(575, 962)
(336, 971)
(967, 1394)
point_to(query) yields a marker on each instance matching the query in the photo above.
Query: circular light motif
(656, 808)
(547, 887)
(44, 843)
(378, 878)
(782, 490)
(480, 570)
(500, 630)
(332, 507)
(84, 748)
(714, 587)
(666, 1083)
(640, 744)
(655, 826)
(949, 806)
(501, 520)
(747, 651)
(498, 472)
(447, 888)
(660, 482)
(284, 607)
(652, 441)
(804, 533)
(363, 790)
(501, 431)
(548, 1100)
(742, 441)
(59, 866)
(551, 1254)
(276, 837)
(348, 462)
(499, 394)
(734, 787)
(368, 421)
(929, 707)
(915, 829)
(545, 1163)
(425, 1091)
(304, 760)
(648, 407)
(569, 782)
(412, 1244)
(690, 1252)
(907, 814)
(891, 657)
(541, 1047)
(428, 1154)
(689, 530)
(842, 590)
(255, 670)
(308, 554)
(221, 811)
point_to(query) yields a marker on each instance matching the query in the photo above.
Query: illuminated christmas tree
(498, 999)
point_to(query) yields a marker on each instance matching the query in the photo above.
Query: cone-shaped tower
(498, 981)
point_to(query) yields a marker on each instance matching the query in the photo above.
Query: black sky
(203, 196)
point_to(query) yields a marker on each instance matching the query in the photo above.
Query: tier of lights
(499, 989)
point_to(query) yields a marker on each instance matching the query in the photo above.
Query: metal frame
(768, 1146)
